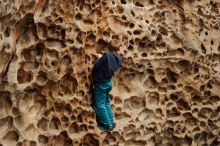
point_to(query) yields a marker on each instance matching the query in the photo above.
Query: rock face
(166, 93)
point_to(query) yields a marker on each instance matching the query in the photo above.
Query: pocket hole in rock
(43, 139)
(55, 123)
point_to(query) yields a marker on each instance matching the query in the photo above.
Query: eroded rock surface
(166, 93)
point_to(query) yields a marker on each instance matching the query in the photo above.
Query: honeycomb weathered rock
(166, 93)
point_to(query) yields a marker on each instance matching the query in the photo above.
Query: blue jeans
(101, 105)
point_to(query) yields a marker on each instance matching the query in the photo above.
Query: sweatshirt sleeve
(99, 62)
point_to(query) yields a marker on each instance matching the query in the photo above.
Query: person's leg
(99, 105)
(109, 110)
(108, 105)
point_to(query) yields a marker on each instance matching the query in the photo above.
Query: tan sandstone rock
(167, 92)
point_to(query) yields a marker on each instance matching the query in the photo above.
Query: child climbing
(103, 70)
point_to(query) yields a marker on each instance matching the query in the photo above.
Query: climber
(103, 70)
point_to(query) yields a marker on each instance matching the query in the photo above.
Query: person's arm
(99, 55)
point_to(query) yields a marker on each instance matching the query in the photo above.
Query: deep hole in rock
(7, 121)
(62, 34)
(33, 143)
(63, 138)
(55, 123)
(199, 137)
(124, 17)
(182, 105)
(159, 38)
(78, 16)
(137, 32)
(110, 138)
(203, 49)
(43, 124)
(87, 21)
(15, 111)
(184, 64)
(196, 68)
(68, 108)
(91, 38)
(163, 31)
(209, 85)
(196, 98)
(91, 139)
(58, 107)
(189, 88)
(74, 128)
(153, 100)
(59, 20)
(130, 47)
(144, 54)
(27, 54)
(132, 13)
(150, 71)
(101, 44)
(212, 42)
(138, 4)
(142, 44)
(83, 128)
(5, 102)
(172, 76)
(150, 82)
(25, 22)
(180, 51)
(131, 25)
(41, 30)
(66, 60)
(54, 44)
(174, 112)
(120, 9)
(68, 85)
(79, 39)
(205, 112)
(42, 77)
(53, 31)
(38, 50)
(174, 97)
(171, 87)
(12, 136)
(214, 99)
(24, 76)
(7, 32)
(123, 2)
(65, 119)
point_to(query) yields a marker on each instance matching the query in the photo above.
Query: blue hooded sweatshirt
(105, 66)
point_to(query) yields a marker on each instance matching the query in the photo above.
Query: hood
(114, 61)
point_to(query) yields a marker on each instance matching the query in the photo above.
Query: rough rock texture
(166, 93)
